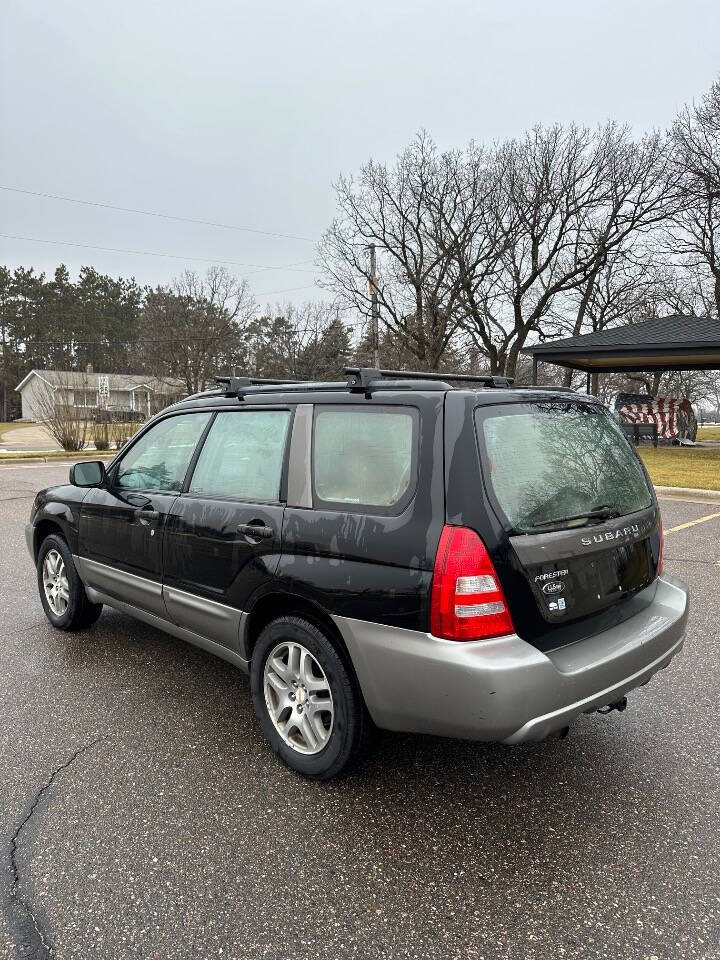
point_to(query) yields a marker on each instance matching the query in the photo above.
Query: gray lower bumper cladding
(505, 689)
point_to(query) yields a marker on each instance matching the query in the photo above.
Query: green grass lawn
(55, 454)
(683, 466)
(709, 433)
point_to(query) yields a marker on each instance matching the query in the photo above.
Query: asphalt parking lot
(142, 815)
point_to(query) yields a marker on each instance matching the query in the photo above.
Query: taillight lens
(661, 555)
(467, 601)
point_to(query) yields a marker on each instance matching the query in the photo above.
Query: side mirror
(91, 473)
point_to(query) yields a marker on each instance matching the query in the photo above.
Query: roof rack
(235, 385)
(366, 380)
(361, 378)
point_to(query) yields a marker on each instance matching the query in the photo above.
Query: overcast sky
(245, 113)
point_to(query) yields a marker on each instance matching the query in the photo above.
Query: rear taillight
(467, 601)
(661, 554)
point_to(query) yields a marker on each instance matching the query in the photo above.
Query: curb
(688, 493)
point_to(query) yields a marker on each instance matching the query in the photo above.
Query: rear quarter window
(364, 458)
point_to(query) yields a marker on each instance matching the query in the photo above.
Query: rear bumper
(505, 689)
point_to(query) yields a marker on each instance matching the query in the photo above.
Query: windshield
(559, 462)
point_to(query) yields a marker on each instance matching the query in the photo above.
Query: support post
(374, 308)
(535, 370)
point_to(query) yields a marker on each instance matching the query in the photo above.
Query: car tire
(314, 717)
(62, 593)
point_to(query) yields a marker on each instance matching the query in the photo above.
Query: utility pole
(374, 307)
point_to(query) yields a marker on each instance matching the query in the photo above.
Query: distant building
(127, 392)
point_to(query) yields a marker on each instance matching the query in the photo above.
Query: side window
(242, 456)
(364, 457)
(160, 458)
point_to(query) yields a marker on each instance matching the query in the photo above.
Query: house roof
(676, 342)
(78, 380)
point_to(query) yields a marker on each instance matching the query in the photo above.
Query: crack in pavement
(30, 628)
(35, 942)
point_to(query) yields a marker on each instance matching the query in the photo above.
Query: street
(143, 816)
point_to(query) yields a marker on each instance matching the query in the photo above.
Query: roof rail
(360, 378)
(546, 386)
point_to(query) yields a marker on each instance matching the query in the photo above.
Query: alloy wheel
(55, 583)
(298, 697)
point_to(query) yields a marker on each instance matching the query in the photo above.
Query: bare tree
(574, 198)
(66, 421)
(646, 289)
(430, 219)
(695, 230)
(713, 392)
(194, 328)
(489, 242)
(627, 288)
(299, 343)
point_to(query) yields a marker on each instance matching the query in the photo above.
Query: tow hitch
(619, 705)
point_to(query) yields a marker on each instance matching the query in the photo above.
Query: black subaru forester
(476, 561)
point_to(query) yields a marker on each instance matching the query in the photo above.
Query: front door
(121, 525)
(223, 536)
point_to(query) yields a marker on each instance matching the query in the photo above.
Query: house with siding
(89, 391)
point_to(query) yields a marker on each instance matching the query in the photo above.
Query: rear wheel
(62, 592)
(306, 699)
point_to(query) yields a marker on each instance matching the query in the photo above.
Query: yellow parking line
(691, 523)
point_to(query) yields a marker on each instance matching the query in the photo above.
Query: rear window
(552, 460)
(364, 457)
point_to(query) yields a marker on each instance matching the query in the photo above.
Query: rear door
(223, 533)
(577, 510)
(363, 543)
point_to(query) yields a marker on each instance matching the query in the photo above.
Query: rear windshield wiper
(602, 512)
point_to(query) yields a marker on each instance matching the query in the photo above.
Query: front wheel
(306, 699)
(62, 593)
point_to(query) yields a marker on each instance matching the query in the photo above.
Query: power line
(116, 343)
(30, 343)
(139, 341)
(273, 293)
(162, 216)
(260, 267)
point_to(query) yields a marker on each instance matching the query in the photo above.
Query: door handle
(147, 514)
(256, 530)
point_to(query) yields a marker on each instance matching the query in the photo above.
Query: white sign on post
(103, 390)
